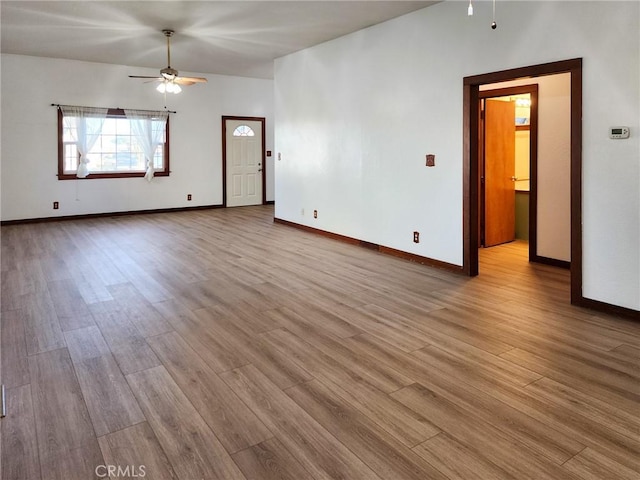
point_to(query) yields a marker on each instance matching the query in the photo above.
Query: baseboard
(107, 214)
(374, 246)
(317, 231)
(270, 202)
(608, 308)
(551, 261)
(431, 262)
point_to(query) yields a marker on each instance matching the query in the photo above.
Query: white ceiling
(224, 37)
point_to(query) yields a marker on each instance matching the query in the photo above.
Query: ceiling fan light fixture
(168, 87)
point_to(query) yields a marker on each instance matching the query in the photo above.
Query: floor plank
(233, 423)
(599, 381)
(326, 342)
(192, 448)
(128, 346)
(137, 447)
(139, 311)
(591, 465)
(499, 412)
(238, 348)
(216, 352)
(67, 444)
(384, 454)
(406, 425)
(20, 458)
(15, 364)
(76, 464)
(41, 326)
(108, 397)
(503, 450)
(628, 352)
(89, 284)
(595, 410)
(316, 449)
(269, 460)
(70, 307)
(458, 462)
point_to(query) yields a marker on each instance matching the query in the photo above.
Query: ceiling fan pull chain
(494, 25)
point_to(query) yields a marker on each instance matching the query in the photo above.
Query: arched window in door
(243, 131)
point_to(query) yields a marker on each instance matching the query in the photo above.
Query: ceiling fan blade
(182, 81)
(144, 76)
(194, 79)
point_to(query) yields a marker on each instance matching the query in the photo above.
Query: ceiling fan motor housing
(169, 73)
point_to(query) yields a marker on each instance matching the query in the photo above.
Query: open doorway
(507, 156)
(472, 167)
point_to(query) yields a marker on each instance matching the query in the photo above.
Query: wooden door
(244, 162)
(499, 172)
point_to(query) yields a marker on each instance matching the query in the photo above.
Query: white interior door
(244, 162)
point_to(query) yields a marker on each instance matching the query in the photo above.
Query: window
(117, 151)
(243, 131)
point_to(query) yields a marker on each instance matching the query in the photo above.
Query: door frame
(532, 90)
(471, 89)
(262, 121)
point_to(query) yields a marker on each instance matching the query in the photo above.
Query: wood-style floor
(219, 345)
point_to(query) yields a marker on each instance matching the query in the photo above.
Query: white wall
(554, 167)
(355, 117)
(523, 143)
(29, 136)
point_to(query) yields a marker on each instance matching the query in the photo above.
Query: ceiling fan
(169, 80)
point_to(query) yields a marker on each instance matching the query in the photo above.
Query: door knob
(259, 169)
(514, 179)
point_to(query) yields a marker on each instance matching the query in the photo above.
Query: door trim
(262, 121)
(470, 127)
(532, 90)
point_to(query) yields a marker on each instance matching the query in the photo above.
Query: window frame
(113, 113)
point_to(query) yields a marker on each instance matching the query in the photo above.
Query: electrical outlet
(56, 205)
(416, 237)
(302, 211)
(315, 214)
(188, 197)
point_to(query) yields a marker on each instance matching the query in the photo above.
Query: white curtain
(86, 126)
(148, 128)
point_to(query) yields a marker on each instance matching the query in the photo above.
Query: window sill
(92, 176)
